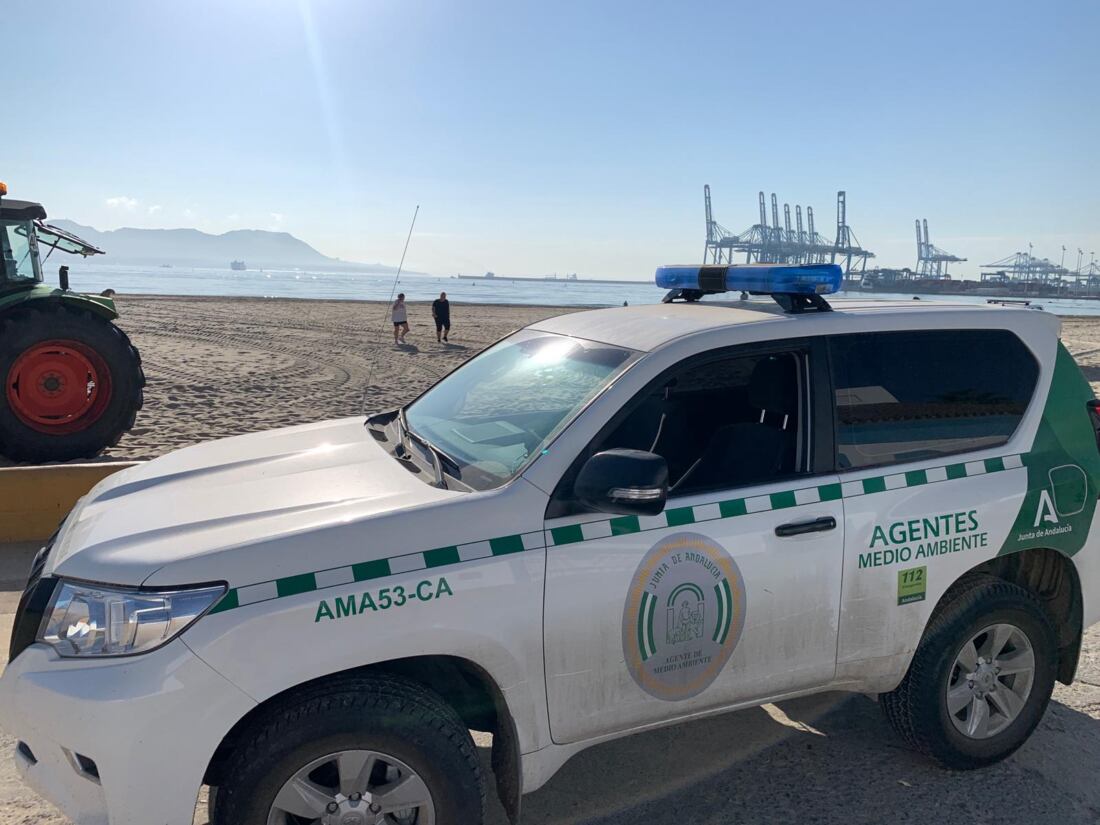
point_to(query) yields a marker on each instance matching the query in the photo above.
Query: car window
(495, 412)
(722, 423)
(910, 396)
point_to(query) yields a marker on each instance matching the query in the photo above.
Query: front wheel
(981, 677)
(371, 750)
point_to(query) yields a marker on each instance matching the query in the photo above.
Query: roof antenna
(396, 279)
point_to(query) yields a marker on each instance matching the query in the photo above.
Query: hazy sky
(559, 136)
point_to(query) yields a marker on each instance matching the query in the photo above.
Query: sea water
(377, 286)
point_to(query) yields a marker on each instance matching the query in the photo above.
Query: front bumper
(148, 723)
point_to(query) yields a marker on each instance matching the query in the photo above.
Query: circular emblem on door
(684, 614)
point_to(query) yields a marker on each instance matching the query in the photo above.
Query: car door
(931, 447)
(731, 594)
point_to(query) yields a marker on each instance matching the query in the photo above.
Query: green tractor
(72, 379)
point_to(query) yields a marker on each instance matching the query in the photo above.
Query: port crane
(780, 242)
(931, 260)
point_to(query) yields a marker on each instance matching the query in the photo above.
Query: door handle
(797, 528)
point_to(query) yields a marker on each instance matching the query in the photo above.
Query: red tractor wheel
(72, 384)
(59, 387)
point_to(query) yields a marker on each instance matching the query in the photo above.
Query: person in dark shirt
(441, 311)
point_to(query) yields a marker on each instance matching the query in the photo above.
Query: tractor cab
(19, 261)
(23, 234)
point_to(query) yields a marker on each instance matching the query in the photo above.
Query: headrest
(772, 386)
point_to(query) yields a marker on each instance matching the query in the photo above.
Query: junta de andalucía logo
(683, 617)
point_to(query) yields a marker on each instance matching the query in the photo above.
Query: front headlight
(97, 620)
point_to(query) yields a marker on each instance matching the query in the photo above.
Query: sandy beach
(225, 366)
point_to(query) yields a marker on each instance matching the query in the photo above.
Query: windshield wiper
(438, 456)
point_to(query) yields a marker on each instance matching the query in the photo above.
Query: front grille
(32, 604)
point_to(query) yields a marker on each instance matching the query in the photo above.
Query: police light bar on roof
(766, 279)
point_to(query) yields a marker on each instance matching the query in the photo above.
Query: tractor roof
(13, 210)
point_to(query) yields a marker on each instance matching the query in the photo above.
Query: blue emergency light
(767, 279)
(795, 288)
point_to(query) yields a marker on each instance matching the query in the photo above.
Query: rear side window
(910, 396)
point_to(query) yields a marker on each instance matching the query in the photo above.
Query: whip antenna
(396, 280)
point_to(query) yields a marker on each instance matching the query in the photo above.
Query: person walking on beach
(441, 312)
(400, 319)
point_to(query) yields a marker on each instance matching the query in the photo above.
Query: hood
(229, 493)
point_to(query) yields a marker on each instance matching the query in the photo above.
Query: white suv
(609, 521)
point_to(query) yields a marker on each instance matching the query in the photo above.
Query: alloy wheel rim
(990, 681)
(353, 787)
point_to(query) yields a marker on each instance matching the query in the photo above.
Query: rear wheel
(981, 677)
(72, 384)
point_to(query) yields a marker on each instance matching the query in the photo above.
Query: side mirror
(626, 482)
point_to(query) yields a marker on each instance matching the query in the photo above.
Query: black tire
(395, 716)
(38, 323)
(917, 708)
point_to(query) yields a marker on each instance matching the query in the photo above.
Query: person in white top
(400, 319)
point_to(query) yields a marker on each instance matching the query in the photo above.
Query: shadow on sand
(824, 759)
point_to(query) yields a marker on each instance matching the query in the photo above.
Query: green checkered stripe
(734, 507)
(378, 569)
(602, 528)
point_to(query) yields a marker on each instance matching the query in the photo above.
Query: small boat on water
(1006, 302)
(237, 266)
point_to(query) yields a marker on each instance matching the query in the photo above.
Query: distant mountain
(190, 247)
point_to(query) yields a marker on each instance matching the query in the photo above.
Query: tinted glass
(722, 424)
(910, 396)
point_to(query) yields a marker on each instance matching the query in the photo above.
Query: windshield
(18, 252)
(54, 238)
(504, 406)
